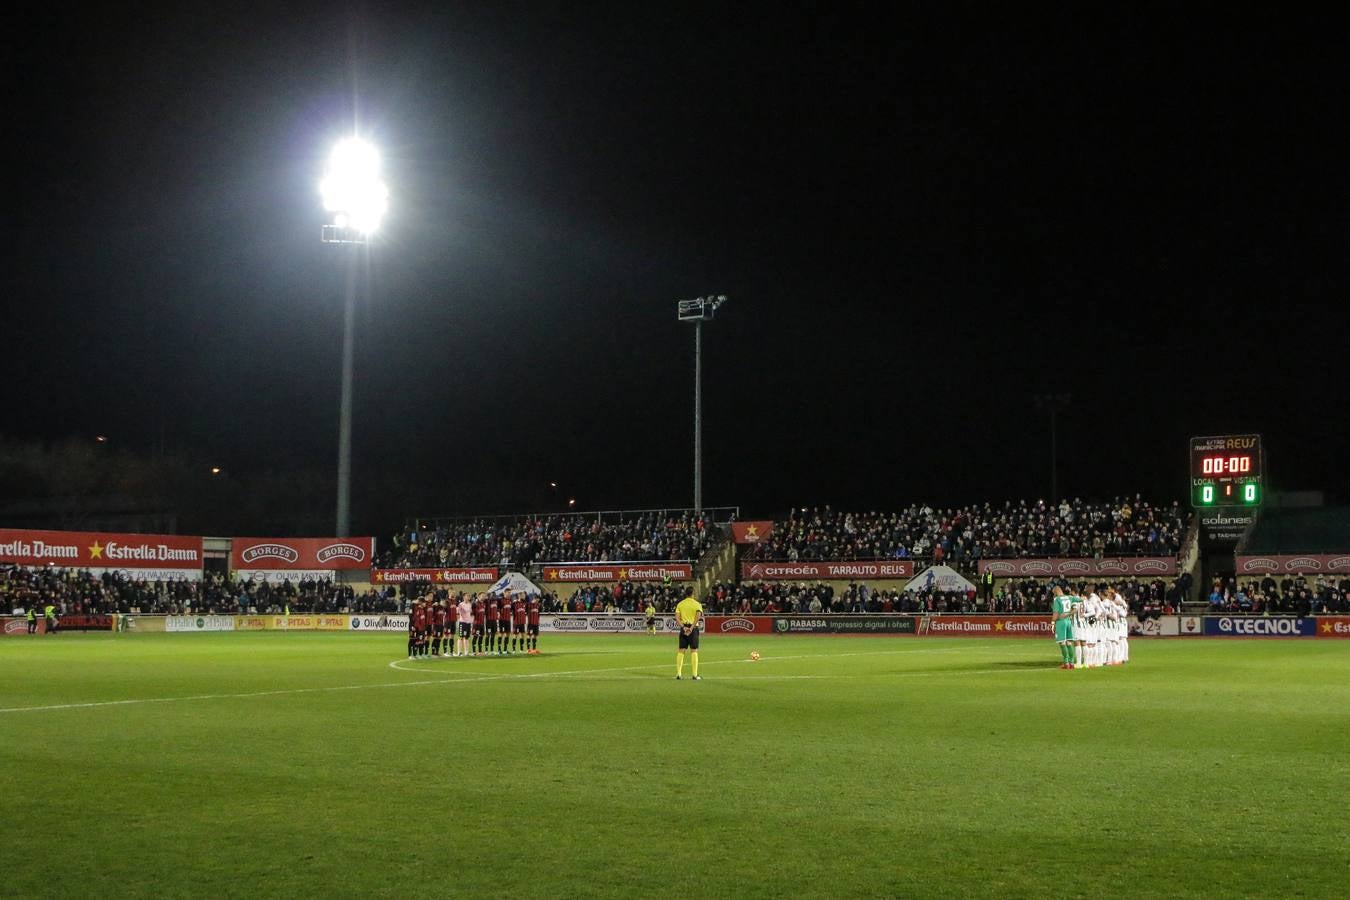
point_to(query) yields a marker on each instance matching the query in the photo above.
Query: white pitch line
(472, 677)
(503, 676)
(853, 676)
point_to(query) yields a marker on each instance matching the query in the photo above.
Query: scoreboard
(1226, 470)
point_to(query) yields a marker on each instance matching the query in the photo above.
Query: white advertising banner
(592, 623)
(199, 623)
(277, 576)
(379, 622)
(152, 574)
(1163, 626)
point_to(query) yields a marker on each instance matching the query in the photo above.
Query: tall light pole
(698, 310)
(1053, 404)
(357, 197)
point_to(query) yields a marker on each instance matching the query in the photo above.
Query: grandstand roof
(1317, 530)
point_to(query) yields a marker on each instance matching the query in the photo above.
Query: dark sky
(920, 222)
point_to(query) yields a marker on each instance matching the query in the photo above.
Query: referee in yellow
(689, 614)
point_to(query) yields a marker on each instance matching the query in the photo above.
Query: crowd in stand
(1295, 595)
(624, 597)
(682, 535)
(1028, 595)
(76, 592)
(961, 536)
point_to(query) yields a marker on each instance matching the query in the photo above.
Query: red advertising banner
(476, 575)
(639, 571)
(1333, 626)
(738, 624)
(86, 623)
(1302, 564)
(987, 626)
(17, 625)
(750, 532)
(827, 571)
(301, 553)
(100, 550)
(1069, 568)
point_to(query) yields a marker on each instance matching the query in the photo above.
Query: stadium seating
(80, 592)
(961, 536)
(581, 537)
(1025, 595)
(1284, 594)
(624, 597)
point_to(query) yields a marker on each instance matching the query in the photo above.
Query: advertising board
(1259, 626)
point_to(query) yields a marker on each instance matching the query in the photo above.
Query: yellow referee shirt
(688, 611)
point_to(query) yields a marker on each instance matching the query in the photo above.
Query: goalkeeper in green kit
(1062, 606)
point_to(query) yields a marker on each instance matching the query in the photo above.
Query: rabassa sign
(1259, 626)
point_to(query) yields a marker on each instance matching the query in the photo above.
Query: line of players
(1091, 631)
(474, 627)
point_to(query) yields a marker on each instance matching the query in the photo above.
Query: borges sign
(274, 554)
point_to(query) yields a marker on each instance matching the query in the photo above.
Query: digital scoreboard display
(1226, 470)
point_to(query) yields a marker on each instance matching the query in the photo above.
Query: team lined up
(474, 627)
(1091, 631)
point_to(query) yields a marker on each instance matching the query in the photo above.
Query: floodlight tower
(698, 311)
(1053, 404)
(357, 198)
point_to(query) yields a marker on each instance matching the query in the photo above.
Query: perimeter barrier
(877, 624)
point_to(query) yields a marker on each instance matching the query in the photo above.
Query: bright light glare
(352, 187)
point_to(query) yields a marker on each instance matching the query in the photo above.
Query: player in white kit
(1095, 619)
(1123, 647)
(1111, 631)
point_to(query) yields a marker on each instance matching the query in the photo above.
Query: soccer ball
(754, 654)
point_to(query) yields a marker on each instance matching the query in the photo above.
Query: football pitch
(327, 764)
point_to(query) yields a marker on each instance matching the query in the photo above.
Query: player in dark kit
(428, 623)
(412, 632)
(518, 623)
(503, 624)
(478, 626)
(438, 626)
(490, 620)
(423, 619)
(451, 614)
(532, 615)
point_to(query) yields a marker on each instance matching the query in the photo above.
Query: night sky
(920, 223)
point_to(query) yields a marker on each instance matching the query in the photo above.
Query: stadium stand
(521, 541)
(961, 536)
(79, 592)
(624, 597)
(1287, 594)
(1027, 595)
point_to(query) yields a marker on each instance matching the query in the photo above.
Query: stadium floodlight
(1053, 404)
(698, 311)
(353, 192)
(356, 196)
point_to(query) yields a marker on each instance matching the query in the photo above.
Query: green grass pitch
(305, 765)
